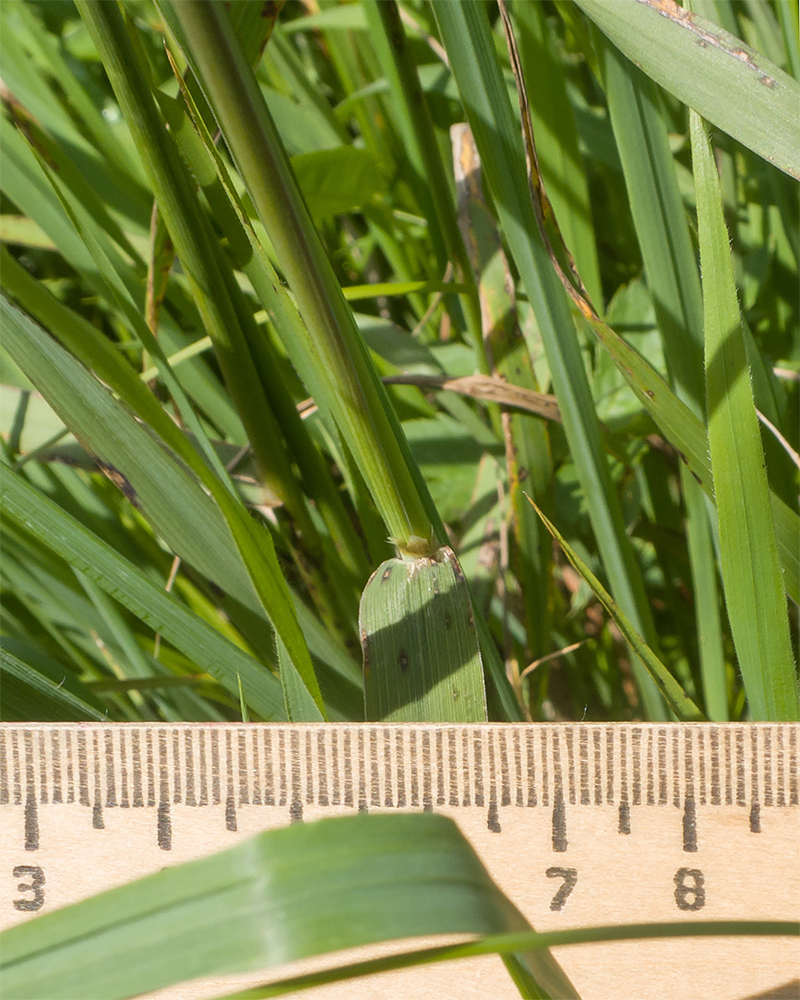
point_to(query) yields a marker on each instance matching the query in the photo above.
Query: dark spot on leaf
(119, 481)
(649, 393)
(402, 659)
(365, 650)
(448, 621)
(386, 574)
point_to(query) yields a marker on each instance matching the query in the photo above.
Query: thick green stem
(343, 378)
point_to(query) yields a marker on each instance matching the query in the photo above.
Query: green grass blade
(557, 140)
(428, 177)
(345, 382)
(467, 36)
(129, 585)
(284, 895)
(210, 171)
(751, 571)
(508, 943)
(213, 287)
(527, 443)
(148, 476)
(30, 694)
(717, 74)
(673, 693)
(421, 657)
(674, 283)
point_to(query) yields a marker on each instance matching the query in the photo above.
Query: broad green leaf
(717, 74)
(421, 657)
(335, 181)
(284, 895)
(751, 571)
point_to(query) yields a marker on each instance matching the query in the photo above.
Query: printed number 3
(36, 886)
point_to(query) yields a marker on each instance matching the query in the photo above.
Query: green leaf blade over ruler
(284, 895)
(751, 570)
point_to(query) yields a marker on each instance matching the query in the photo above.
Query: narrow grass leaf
(751, 571)
(345, 380)
(683, 706)
(129, 585)
(672, 277)
(504, 944)
(467, 36)
(144, 471)
(717, 74)
(30, 694)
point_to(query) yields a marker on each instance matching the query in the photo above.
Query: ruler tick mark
(559, 823)
(164, 826)
(636, 741)
(31, 822)
(269, 786)
(203, 800)
(689, 825)
(529, 752)
(598, 775)
(176, 768)
(55, 751)
(570, 767)
(624, 821)
(230, 813)
(188, 763)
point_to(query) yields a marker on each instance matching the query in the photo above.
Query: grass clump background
(499, 306)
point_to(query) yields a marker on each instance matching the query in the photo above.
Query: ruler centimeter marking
(376, 766)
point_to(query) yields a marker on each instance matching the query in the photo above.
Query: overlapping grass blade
(717, 74)
(27, 690)
(751, 571)
(505, 944)
(154, 481)
(681, 705)
(674, 284)
(344, 381)
(466, 33)
(129, 585)
(284, 895)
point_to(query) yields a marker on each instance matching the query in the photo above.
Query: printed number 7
(570, 876)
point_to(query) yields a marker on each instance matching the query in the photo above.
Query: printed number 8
(691, 896)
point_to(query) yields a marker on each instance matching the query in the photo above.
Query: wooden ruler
(579, 824)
